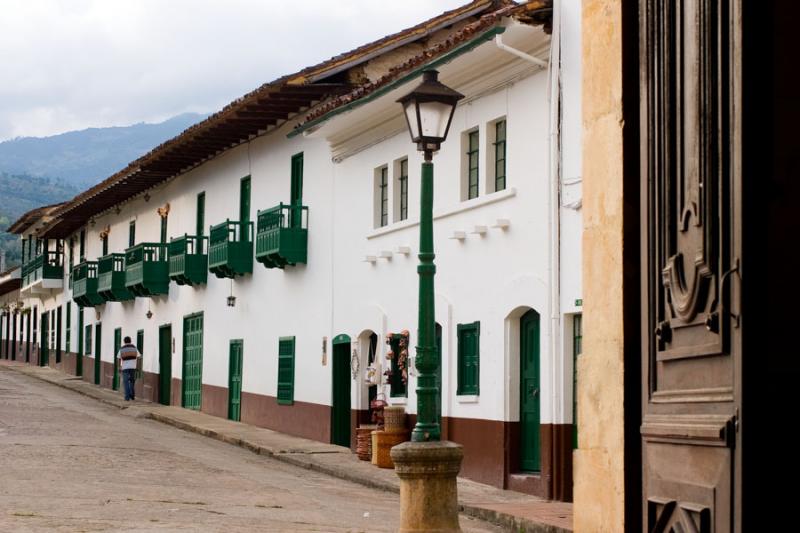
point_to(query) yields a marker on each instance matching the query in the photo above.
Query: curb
(499, 518)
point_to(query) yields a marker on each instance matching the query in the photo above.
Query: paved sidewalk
(515, 511)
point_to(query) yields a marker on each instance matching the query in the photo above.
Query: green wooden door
(530, 448)
(98, 359)
(44, 351)
(296, 198)
(79, 348)
(28, 338)
(340, 412)
(165, 364)
(59, 325)
(235, 380)
(117, 345)
(192, 361)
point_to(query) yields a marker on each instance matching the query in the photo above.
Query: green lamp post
(428, 110)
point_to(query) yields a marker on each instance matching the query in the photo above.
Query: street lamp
(428, 110)
(427, 467)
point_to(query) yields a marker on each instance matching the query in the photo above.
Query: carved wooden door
(691, 336)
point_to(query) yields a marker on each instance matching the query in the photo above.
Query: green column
(427, 428)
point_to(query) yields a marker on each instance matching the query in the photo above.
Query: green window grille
(87, 339)
(469, 358)
(68, 333)
(384, 186)
(396, 386)
(131, 233)
(403, 179)
(472, 166)
(500, 155)
(296, 192)
(201, 213)
(105, 245)
(82, 246)
(286, 370)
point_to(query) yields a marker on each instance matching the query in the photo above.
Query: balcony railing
(282, 237)
(46, 270)
(147, 269)
(111, 278)
(84, 284)
(188, 260)
(230, 252)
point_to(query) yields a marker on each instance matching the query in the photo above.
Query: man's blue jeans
(128, 380)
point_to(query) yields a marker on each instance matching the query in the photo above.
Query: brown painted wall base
(308, 420)
(214, 400)
(175, 393)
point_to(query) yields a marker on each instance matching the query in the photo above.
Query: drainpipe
(498, 41)
(554, 222)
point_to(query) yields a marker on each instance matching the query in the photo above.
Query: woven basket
(364, 442)
(385, 442)
(394, 419)
(374, 447)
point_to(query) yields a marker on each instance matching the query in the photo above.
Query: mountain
(21, 193)
(37, 171)
(83, 158)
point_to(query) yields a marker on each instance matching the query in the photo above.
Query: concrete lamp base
(428, 488)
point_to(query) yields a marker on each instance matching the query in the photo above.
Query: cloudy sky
(73, 64)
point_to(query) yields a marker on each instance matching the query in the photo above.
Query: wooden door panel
(690, 245)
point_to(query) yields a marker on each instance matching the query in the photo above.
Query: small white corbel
(458, 235)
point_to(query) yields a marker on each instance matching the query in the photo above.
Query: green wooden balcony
(147, 269)
(111, 278)
(282, 237)
(84, 284)
(188, 260)
(44, 273)
(230, 252)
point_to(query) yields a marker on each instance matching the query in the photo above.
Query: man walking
(128, 354)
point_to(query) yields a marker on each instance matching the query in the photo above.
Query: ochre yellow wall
(599, 489)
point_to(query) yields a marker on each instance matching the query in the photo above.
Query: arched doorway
(530, 383)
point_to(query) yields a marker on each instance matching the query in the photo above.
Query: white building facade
(302, 328)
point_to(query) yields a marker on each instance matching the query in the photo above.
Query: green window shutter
(500, 155)
(201, 213)
(164, 220)
(244, 199)
(83, 245)
(105, 245)
(469, 358)
(286, 371)
(132, 233)
(296, 192)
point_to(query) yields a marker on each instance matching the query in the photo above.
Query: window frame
(283, 397)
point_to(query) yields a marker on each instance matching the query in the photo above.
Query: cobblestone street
(69, 463)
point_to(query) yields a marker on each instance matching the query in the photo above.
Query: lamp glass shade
(434, 119)
(413, 119)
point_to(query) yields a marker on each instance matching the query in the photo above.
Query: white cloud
(74, 64)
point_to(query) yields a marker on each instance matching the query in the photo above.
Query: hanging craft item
(398, 354)
(371, 374)
(355, 364)
(376, 406)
